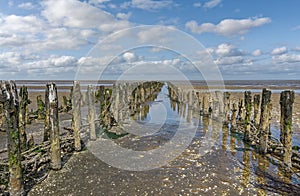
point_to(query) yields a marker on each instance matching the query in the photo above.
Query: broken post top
(287, 97)
(8, 91)
(52, 92)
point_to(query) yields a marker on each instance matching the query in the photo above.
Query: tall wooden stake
(286, 102)
(76, 100)
(91, 109)
(11, 109)
(247, 121)
(22, 117)
(256, 102)
(265, 120)
(55, 153)
(47, 114)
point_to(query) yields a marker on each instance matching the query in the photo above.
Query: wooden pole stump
(91, 112)
(47, 115)
(286, 102)
(55, 153)
(76, 102)
(205, 105)
(233, 117)
(256, 103)
(41, 107)
(227, 106)
(247, 121)
(22, 117)
(241, 113)
(265, 120)
(10, 100)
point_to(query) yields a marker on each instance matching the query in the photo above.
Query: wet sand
(229, 168)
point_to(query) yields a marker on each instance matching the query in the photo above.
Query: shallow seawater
(201, 157)
(172, 151)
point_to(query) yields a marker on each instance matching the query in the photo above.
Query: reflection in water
(246, 169)
(181, 107)
(224, 137)
(232, 145)
(263, 165)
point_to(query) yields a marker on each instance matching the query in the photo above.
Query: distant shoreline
(228, 85)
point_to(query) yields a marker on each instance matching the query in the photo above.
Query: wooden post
(286, 102)
(233, 117)
(2, 117)
(47, 126)
(256, 102)
(54, 127)
(241, 113)
(76, 100)
(22, 117)
(205, 106)
(265, 120)
(227, 106)
(91, 113)
(41, 107)
(247, 121)
(10, 100)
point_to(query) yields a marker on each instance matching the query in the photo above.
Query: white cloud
(67, 24)
(226, 49)
(33, 33)
(278, 51)
(71, 13)
(212, 3)
(157, 34)
(96, 2)
(233, 60)
(124, 16)
(129, 57)
(52, 62)
(257, 52)
(27, 6)
(286, 58)
(147, 4)
(26, 24)
(198, 4)
(112, 6)
(227, 27)
(10, 59)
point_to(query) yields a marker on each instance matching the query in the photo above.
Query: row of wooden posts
(16, 118)
(244, 117)
(256, 130)
(16, 111)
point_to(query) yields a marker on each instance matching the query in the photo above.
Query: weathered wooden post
(76, 102)
(54, 127)
(91, 112)
(10, 100)
(22, 117)
(286, 103)
(41, 107)
(241, 113)
(256, 102)
(47, 126)
(265, 120)
(227, 106)
(247, 121)
(2, 117)
(233, 117)
(205, 105)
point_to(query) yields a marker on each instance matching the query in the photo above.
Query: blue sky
(51, 39)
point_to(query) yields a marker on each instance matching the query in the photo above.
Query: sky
(106, 39)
